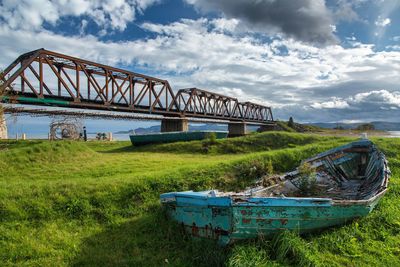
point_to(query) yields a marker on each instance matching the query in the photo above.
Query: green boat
(348, 183)
(170, 137)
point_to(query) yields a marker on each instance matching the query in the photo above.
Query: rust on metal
(284, 221)
(47, 78)
(246, 221)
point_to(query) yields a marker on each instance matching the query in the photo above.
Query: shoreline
(355, 133)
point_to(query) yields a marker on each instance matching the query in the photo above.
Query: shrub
(365, 127)
(211, 139)
(308, 181)
(205, 147)
(291, 122)
(231, 148)
(247, 172)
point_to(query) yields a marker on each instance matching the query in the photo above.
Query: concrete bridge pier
(3, 127)
(237, 129)
(265, 128)
(174, 125)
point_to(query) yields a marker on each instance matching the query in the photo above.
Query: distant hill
(379, 125)
(141, 130)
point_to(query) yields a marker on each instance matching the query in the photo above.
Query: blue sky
(315, 60)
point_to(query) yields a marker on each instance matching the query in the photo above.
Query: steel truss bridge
(46, 78)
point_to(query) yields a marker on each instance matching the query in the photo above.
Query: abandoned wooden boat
(169, 137)
(348, 183)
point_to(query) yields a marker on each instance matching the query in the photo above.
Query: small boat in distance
(169, 137)
(329, 189)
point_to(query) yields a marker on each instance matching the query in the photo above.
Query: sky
(314, 60)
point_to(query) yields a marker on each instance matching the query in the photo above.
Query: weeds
(251, 254)
(246, 173)
(73, 203)
(211, 139)
(308, 179)
(252, 170)
(290, 248)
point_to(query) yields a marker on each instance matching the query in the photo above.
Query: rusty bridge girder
(47, 78)
(194, 102)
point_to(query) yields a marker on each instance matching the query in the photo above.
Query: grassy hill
(96, 203)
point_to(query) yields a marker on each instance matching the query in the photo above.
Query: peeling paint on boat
(227, 217)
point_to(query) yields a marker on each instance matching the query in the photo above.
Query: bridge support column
(266, 128)
(174, 125)
(3, 127)
(237, 129)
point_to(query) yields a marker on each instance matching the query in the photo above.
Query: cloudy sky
(315, 60)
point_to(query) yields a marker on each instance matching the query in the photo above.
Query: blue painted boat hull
(218, 218)
(227, 217)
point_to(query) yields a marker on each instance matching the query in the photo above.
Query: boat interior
(352, 172)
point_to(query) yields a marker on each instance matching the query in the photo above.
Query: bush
(365, 127)
(247, 172)
(211, 139)
(308, 180)
(291, 123)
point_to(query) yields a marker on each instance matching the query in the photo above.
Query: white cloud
(378, 97)
(345, 11)
(393, 47)
(223, 24)
(333, 103)
(351, 121)
(366, 106)
(382, 22)
(306, 20)
(385, 9)
(365, 100)
(375, 105)
(82, 29)
(292, 77)
(32, 14)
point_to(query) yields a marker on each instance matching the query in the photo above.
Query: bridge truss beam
(43, 77)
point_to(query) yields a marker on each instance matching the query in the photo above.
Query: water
(116, 137)
(38, 127)
(394, 134)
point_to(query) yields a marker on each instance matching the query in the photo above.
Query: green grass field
(96, 204)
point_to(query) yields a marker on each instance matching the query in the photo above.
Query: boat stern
(201, 214)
